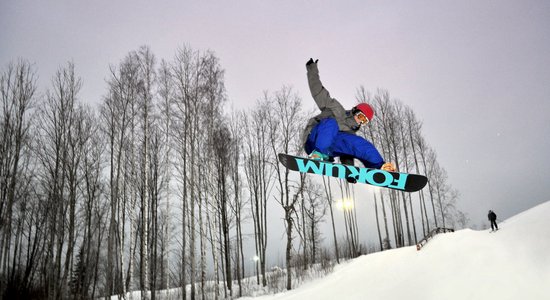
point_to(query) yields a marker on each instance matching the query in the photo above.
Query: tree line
(160, 187)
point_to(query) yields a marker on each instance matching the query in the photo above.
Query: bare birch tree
(285, 125)
(17, 92)
(259, 174)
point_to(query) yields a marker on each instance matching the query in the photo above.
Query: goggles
(362, 118)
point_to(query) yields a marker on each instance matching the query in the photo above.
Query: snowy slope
(513, 263)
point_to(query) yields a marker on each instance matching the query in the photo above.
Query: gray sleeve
(320, 94)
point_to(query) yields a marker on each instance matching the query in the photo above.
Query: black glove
(310, 61)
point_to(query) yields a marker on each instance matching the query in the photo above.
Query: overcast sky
(477, 73)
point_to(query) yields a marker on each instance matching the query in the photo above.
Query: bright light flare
(344, 204)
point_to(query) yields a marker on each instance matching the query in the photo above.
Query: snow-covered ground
(512, 263)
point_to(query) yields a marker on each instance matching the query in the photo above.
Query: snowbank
(513, 263)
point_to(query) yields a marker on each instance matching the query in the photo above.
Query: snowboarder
(332, 133)
(493, 218)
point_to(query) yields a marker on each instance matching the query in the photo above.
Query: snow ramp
(512, 263)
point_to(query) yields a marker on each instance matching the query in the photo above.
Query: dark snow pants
(494, 225)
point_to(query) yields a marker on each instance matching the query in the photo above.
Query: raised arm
(318, 91)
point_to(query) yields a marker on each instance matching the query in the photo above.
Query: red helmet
(366, 110)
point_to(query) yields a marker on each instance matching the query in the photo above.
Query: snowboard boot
(316, 155)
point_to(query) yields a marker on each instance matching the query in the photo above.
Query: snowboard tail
(393, 180)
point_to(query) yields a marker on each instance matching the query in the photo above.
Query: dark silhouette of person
(493, 218)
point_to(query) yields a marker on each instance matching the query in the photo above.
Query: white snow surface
(512, 263)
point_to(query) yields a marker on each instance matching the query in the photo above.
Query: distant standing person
(493, 218)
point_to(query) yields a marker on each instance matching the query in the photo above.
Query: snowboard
(393, 180)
